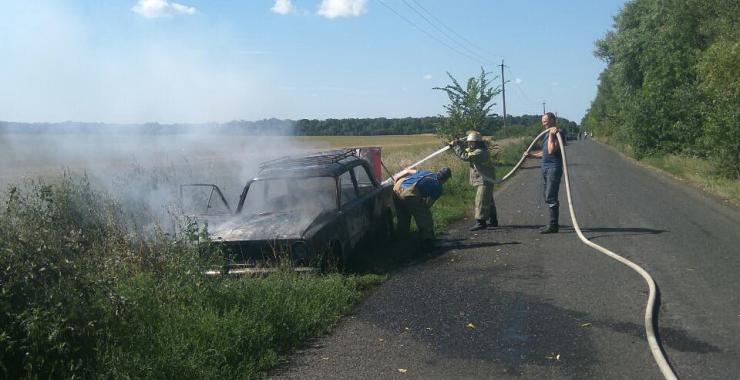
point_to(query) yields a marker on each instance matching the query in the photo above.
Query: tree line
(492, 125)
(672, 82)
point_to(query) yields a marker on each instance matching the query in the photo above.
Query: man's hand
(553, 131)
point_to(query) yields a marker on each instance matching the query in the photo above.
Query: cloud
(162, 78)
(161, 8)
(518, 80)
(283, 7)
(342, 8)
(428, 77)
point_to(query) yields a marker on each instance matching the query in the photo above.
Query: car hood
(272, 226)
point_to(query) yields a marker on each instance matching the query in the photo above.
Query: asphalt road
(510, 303)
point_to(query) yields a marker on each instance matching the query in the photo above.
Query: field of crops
(95, 285)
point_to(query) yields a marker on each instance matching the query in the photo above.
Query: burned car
(313, 210)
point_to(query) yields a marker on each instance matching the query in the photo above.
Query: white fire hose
(650, 324)
(440, 151)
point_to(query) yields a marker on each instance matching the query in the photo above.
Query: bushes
(83, 295)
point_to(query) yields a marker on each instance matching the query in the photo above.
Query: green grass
(458, 196)
(697, 172)
(87, 292)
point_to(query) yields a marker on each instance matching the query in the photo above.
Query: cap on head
(444, 174)
(474, 136)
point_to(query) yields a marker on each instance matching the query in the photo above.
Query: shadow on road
(446, 245)
(605, 231)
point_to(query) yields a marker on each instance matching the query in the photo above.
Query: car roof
(325, 164)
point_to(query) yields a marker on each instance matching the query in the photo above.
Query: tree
(671, 83)
(469, 107)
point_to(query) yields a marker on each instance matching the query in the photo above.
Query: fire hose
(650, 308)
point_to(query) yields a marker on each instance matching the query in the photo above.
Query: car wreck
(312, 211)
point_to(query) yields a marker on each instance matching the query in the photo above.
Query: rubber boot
(553, 226)
(479, 225)
(493, 219)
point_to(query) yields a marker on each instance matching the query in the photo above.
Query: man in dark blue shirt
(414, 193)
(552, 170)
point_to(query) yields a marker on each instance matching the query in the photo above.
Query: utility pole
(543, 108)
(503, 89)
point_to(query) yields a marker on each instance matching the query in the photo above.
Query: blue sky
(218, 60)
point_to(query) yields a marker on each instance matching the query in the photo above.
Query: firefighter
(414, 193)
(482, 174)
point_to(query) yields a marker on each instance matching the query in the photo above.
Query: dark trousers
(551, 185)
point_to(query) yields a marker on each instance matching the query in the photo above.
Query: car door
(351, 207)
(368, 191)
(203, 199)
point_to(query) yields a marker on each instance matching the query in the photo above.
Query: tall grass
(458, 195)
(696, 171)
(86, 292)
(85, 295)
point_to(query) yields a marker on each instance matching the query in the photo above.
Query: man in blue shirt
(552, 170)
(414, 193)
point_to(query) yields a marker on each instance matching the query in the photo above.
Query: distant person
(482, 174)
(552, 170)
(414, 193)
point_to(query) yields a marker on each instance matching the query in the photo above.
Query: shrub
(83, 295)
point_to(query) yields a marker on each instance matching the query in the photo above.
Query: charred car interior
(312, 211)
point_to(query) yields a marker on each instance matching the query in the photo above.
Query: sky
(194, 61)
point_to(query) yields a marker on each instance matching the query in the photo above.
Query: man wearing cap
(482, 174)
(414, 193)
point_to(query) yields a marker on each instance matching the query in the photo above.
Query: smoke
(142, 171)
(57, 66)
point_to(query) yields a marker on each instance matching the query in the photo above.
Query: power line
(482, 58)
(520, 89)
(427, 33)
(450, 29)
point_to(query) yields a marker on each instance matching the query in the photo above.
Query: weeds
(86, 292)
(83, 295)
(696, 171)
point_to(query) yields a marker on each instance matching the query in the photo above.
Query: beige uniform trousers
(409, 204)
(483, 201)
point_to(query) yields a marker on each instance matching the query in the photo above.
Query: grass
(694, 171)
(385, 141)
(458, 196)
(86, 292)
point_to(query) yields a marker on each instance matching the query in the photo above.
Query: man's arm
(473, 156)
(552, 140)
(535, 154)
